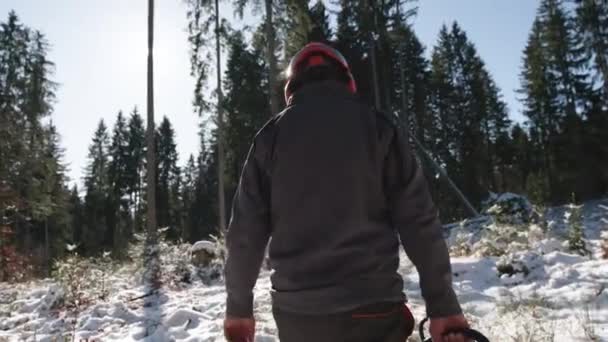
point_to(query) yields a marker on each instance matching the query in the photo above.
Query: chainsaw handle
(470, 333)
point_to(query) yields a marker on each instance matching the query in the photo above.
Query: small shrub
(501, 239)
(461, 246)
(509, 208)
(576, 241)
(175, 260)
(71, 276)
(104, 266)
(530, 315)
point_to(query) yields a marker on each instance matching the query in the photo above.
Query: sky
(99, 51)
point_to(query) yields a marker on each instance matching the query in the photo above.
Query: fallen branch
(151, 293)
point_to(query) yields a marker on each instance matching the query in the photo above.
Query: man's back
(332, 242)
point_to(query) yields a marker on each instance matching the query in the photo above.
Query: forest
(447, 99)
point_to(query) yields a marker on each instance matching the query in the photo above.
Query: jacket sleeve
(415, 218)
(247, 236)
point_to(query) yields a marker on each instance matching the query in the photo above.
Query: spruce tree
(539, 108)
(320, 30)
(76, 216)
(135, 174)
(97, 187)
(204, 212)
(592, 27)
(468, 114)
(118, 217)
(591, 23)
(188, 197)
(298, 26)
(522, 153)
(245, 105)
(412, 88)
(13, 52)
(556, 92)
(168, 179)
(31, 169)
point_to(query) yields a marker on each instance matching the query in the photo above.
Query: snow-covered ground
(562, 297)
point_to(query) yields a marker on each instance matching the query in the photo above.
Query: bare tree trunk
(47, 249)
(220, 123)
(272, 60)
(151, 254)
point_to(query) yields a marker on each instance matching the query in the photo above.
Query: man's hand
(239, 329)
(440, 325)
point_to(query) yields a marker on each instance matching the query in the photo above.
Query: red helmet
(313, 54)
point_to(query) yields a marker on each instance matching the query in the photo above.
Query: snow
(551, 295)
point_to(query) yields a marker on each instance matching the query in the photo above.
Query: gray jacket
(335, 188)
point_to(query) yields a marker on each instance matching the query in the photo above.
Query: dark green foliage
(118, 200)
(245, 104)
(204, 211)
(136, 147)
(576, 238)
(33, 195)
(319, 23)
(469, 119)
(76, 214)
(592, 26)
(189, 179)
(561, 103)
(97, 185)
(168, 178)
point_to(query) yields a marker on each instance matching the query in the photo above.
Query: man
(335, 187)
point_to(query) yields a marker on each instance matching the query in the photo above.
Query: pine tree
(97, 186)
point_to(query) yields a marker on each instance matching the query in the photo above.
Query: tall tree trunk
(374, 58)
(47, 250)
(272, 60)
(220, 123)
(151, 255)
(404, 95)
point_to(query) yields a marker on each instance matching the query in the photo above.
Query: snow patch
(206, 246)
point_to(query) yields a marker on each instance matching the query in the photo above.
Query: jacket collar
(320, 89)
